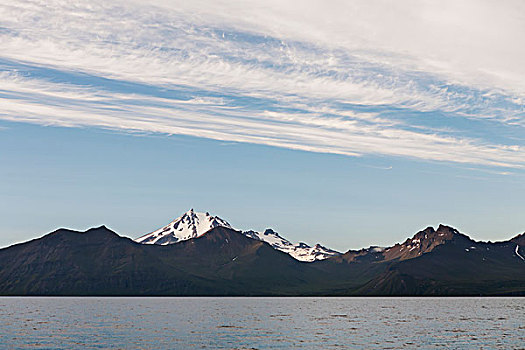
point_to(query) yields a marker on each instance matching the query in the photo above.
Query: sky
(346, 123)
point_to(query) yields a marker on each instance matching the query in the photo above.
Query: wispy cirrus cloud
(180, 68)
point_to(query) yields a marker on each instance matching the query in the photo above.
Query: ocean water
(261, 323)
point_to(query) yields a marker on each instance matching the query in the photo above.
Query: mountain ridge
(194, 224)
(226, 262)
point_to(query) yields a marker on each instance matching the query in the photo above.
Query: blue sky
(344, 132)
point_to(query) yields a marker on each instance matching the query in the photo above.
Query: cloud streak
(178, 69)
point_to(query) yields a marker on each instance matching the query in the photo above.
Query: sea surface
(261, 323)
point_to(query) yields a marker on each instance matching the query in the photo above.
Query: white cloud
(36, 102)
(273, 73)
(470, 41)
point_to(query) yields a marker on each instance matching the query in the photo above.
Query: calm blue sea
(262, 323)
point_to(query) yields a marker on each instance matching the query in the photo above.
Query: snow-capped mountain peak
(191, 224)
(194, 224)
(300, 251)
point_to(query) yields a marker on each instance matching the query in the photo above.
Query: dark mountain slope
(239, 265)
(458, 266)
(519, 239)
(226, 262)
(99, 262)
(94, 262)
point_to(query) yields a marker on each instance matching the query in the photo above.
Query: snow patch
(517, 252)
(375, 249)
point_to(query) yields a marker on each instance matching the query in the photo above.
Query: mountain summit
(190, 225)
(300, 251)
(195, 224)
(227, 262)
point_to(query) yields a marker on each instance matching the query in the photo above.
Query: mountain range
(194, 224)
(181, 259)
